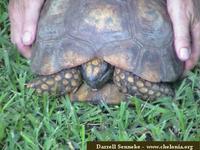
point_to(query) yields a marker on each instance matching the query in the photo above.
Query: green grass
(28, 121)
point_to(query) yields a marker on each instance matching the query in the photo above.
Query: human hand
(23, 15)
(185, 16)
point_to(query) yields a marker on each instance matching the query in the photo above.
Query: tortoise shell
(134, 35)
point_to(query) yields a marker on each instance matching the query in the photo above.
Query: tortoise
(125, 43)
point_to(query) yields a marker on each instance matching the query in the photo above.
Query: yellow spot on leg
(68, 75)
(143, 90)
(74, 83)
(140, 84)
(44, 87)
(130, 79)
(50, 82)
(65, 82)
(58, 78)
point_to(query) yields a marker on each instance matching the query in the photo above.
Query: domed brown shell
(135, 35)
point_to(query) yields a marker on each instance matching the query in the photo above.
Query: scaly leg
(65, 81)
(136, 86)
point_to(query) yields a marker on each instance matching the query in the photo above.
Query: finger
(15, 10)
(31, 15)
(195, 48)
(181, 28)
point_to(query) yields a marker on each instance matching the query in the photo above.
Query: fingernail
(185, 54)
(26, 38)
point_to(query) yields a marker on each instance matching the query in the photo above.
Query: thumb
(31, 16)
(181, 29)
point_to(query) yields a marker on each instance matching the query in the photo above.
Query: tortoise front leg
(136, 86)
(65, 81)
